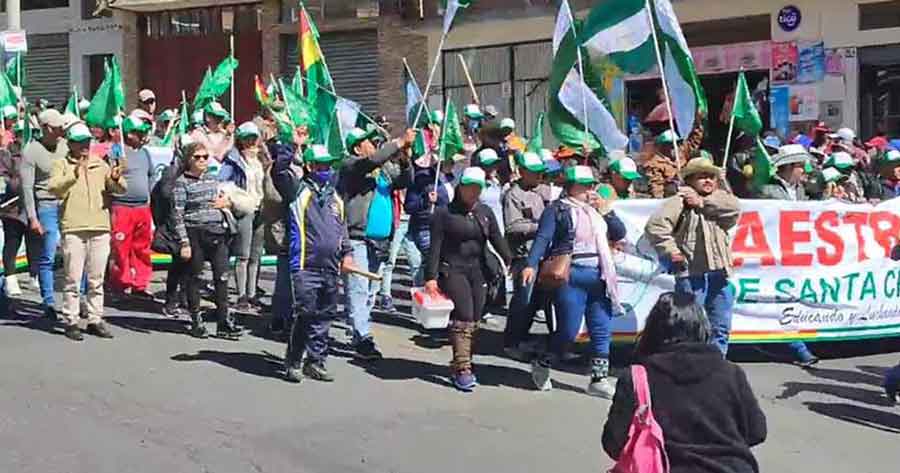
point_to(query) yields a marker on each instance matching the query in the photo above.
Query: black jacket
(708, 413)
(162, 201)
(458, 238)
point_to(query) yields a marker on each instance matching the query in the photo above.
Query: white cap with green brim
(318, 154)
(580, 175)
(488, 157)
(666, 138)
(892, 157)
(84, 104)
(10, 112)
(79, 133)
(167, 115)
(197, 117)
(473, 111)
(474, 176)
(531, 161)
(19, 126)
(507, 124)
(831, 175)
(840, 160)
(357, 136)
(135, 124)
(436, 117)
(625, 167)
(247, 130)
(546, 154)
(216, 109)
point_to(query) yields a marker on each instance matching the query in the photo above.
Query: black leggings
(179, 274)
(14, 232)
(212, 247)
(466, 288)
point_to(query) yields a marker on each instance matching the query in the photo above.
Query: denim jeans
(422, 239)
(48, 215)
(583, 297)
(359, 292)
(525, 302)
(711, 290)
(401, 241)
(282, 299)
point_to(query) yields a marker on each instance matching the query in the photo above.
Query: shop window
(875, 16)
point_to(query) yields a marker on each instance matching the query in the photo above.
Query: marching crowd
(498, 211)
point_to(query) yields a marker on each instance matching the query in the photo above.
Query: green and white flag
(623, 31)
(450, 9)
(574, 101)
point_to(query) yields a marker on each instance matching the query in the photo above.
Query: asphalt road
(156, 400)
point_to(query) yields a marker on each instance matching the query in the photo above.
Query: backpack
(645, 450)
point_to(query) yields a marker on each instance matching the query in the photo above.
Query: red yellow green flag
(320, 92)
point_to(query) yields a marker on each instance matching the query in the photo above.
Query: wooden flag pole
(465, 69)
(665, 87)
(233, 105)
(731, 125)
(437, 58)
(415, 83)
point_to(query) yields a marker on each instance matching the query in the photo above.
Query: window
(874, 16)
(199, 21)
(88, 7)
(728, 31)
(96, 72)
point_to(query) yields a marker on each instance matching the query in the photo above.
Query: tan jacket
(84, 198)
(676, 229)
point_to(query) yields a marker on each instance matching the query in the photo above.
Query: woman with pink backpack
(682, 407)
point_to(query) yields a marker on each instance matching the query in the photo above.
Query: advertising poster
(779, 113)
(834, 61)
(811, 62)
(784, 62)
(803, 103)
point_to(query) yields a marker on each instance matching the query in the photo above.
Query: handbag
(492, 264)
(645, 450)
(554, 271)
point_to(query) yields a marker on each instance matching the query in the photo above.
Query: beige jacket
(676, 229)
(84, 198)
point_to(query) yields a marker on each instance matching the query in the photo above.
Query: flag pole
(580, 71)
(731, 125)
(437, 170)
(665, 87)
(437, 57)
(465, 69)
(363, 114)
(288, 109)
(415, 83)
(233, 105)
(319, 49)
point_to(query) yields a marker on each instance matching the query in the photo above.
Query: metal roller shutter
(352, 59)
(47, 66)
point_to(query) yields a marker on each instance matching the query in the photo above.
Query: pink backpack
(645, 450)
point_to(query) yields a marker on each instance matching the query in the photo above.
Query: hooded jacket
(708, 413)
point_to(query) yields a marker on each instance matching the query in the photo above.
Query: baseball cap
(216, 109)
(50, 117)
(625, 167)
(666, 138)
(146, 94)
(531, 161)
(247, 130)
(507, 124)
(580, 175)
(473, 111)
(840, 160)
(318, 154)
(357, 136)
(135, 124)
(488, 157)
(473, 175)
(79, 133)
(142, 115)
(10, 111)
(69, 119)
(167, 115)
(772, 141)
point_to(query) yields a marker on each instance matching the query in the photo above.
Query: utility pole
(13, 15)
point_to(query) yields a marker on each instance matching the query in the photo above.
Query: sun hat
(791, 154)
(488, 157)
(580, 175)
(700, 166)
(473, 175)
(79, 133)
(625, 167)
(531, 161)
(357, 136)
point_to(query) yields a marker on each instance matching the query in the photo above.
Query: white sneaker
(602, 388)
(540, 376)
(12, 286)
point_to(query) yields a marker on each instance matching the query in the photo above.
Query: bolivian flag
(320, 89)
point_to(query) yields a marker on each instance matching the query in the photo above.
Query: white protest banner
(14, 41)
(803, 271)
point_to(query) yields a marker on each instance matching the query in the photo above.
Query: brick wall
(396, 41)
(271, 38)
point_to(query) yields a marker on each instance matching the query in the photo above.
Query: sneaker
(386, 304)
(142, 295)
(243, 306)
(892, 384)
(12, 286)
(601, 387)
(99, 329)
(367, 351)
(464, 381)
(809, 362)
(293, 372)
(228, 332)
(198, 330)
(73, 332)
(540, 375)
(172, 311)
(317, 371)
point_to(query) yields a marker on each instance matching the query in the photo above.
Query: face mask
(322, 177)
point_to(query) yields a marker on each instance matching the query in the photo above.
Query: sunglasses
(149, 101)
(203, 157)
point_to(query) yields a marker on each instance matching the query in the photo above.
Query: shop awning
(145, 6)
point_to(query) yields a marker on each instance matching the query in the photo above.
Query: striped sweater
(194, 198)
